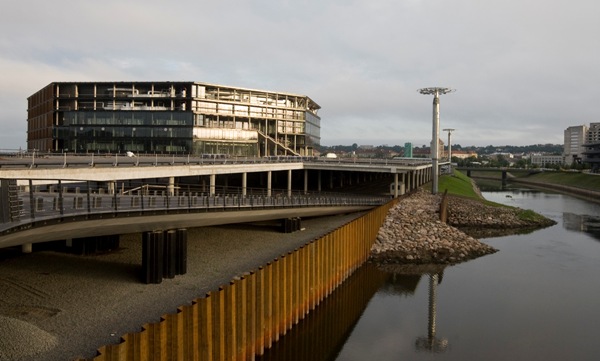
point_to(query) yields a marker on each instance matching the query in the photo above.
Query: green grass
(457, 184)
(460, 185)
(573, 179)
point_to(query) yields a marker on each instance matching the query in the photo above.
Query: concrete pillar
(111, 187)
(244, 183)
(27, 248)
(213, 184)
(171, 186)
(330, 179)
(395, 185)
(289, 182)
(269, 179)
(305, 181)
(319, 180)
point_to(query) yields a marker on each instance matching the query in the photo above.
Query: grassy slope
(579, 180)
(460, 185)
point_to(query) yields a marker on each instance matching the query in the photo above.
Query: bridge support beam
(319, 180)
(269, 180)
(305, 181)
(395, 185)
(111, 187)
(244, 184)
(213, 186)
(171, 186)
(27, 248)
(289, 183)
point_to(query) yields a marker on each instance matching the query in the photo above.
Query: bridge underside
(77, 228)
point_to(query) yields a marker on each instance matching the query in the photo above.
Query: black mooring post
(152, 257)
(181, 252)
(169, 244)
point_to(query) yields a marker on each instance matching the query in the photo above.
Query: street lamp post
(436, 92)
(449, 148)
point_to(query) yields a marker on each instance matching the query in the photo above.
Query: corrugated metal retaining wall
(247, 316)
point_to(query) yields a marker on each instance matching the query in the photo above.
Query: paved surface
(56, 306)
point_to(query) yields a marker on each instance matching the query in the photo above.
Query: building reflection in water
(582, 223)
(431, 343)
(324, 332)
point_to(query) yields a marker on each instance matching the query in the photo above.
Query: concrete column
(289, 182)
(244, 183)
(111, 187)
(395, 185)
(27, 248)
(319, 180)
(213, 184)
(305, 181)
(269, 179)
(330, 179)
(171, 186)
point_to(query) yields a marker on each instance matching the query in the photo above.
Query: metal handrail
(57, 202)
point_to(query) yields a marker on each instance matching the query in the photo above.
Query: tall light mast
(449, 130)
(436, 92)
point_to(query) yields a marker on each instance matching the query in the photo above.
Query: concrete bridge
(86, 202)
(56, 197)
(468, 171)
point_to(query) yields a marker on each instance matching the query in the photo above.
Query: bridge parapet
(48, 205)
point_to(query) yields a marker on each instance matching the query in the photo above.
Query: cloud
(523, 70)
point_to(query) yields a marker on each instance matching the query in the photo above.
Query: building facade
(171, 117)
(575, 137)
(543, 160)
(591, 155)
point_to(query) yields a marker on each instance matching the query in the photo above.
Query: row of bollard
(164, 255)
(289, 225)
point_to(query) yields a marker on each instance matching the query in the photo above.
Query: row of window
(128, 118)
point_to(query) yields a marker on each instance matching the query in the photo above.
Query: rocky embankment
(413, 234)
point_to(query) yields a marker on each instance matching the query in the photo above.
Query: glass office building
(172, 118)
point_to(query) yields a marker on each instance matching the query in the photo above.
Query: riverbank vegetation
(459, 185)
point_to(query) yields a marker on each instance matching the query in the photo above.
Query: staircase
(274, 141)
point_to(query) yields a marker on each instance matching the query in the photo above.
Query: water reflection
(582, 223)
(322, 334)
(431, 343)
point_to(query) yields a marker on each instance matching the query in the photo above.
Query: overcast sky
(523, 70)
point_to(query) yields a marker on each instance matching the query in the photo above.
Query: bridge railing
(35, 159)
(90, 199)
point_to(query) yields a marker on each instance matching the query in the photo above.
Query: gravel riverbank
(413, 234)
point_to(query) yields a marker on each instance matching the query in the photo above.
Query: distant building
(575, 137)
(591, 155)
(408, 150)
(542, 160)
(171, 117)
(461, 154)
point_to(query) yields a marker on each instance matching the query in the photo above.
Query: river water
(538, 298)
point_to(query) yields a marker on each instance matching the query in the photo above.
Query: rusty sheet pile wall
(245, 317)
